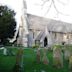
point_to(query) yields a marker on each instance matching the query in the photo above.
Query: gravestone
(70, 63)
(38, 55)
(66, 54)
(57, 57)
(19, 61)
(45, 59)
(5, 51)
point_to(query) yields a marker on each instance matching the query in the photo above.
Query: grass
(30, 65)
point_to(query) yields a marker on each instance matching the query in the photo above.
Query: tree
(54, 3)
(7, 24)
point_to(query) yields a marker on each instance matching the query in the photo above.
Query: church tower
(23, 28)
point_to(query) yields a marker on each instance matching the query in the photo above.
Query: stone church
(43, 31)
(46, 32)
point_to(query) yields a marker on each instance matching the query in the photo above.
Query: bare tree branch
(44, 2)
(62, 2)
(49, 8)
(55, 7)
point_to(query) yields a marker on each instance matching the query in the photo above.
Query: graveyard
(39, 60)
(35, 36)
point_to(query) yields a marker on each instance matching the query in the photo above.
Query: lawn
(29, 60)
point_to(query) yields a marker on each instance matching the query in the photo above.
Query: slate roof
(39, 23)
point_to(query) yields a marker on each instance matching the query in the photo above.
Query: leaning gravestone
(57, 57)
(45, 59)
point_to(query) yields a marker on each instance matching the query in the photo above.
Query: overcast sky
(33, 7)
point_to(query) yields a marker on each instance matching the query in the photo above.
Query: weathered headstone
(5, 51)
(66, 54)
(38, 55)
(19, 61)
(45, 59)
(57, 57)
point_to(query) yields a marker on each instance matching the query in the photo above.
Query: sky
(34, 7)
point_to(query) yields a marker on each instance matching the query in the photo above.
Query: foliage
(35, 46)
(7, 24)
(57, 46)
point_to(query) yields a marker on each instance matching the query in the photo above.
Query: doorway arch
(45, 42)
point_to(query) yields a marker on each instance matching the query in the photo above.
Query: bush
(57, 46)
(35, 46)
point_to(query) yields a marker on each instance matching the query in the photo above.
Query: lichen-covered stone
(66, 54)
(44, 58)
(57, 57)
(38, 55)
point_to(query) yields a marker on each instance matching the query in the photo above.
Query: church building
(43, 31)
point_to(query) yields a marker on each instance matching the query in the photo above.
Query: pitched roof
(39, 23)
(40, 35)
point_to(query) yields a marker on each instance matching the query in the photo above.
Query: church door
(45, 42)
